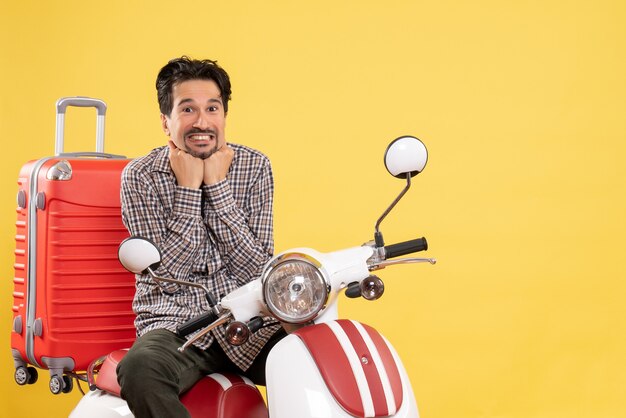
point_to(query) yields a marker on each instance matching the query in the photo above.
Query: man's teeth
(200, 137)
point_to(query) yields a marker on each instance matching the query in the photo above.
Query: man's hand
(187, 168)
(217, 165)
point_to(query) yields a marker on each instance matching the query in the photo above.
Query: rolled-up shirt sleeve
(243, 232)
(176, 228)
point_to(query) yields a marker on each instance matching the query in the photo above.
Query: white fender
(100, 404)
(295, 387)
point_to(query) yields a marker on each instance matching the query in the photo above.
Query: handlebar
(406, 247)
(196, 323)
(213, 318)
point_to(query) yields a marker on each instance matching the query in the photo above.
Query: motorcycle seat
(220, 395)
(107, 373)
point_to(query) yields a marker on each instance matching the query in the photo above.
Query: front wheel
(56, 385)
(25, 375)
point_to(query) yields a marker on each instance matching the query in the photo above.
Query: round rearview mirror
(138, 254)
(406, 156)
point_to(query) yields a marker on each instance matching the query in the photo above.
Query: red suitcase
(72, 298)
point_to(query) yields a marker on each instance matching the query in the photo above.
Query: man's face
(196, 123)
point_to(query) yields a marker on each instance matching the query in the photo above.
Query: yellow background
(521, 104)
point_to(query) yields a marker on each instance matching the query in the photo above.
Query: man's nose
(202, 121)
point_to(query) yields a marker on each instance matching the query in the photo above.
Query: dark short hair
(183, 69)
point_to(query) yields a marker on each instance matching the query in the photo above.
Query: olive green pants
(154, 373)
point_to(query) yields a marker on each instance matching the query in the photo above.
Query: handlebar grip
(255, 324)
(353, 290)
(406, 247)
(196, 323)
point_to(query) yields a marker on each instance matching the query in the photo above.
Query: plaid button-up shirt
(220, 236)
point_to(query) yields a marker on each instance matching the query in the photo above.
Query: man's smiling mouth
(200, 138)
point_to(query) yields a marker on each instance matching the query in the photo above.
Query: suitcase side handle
(61, 107)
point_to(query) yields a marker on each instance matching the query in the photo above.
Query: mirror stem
(378, 236)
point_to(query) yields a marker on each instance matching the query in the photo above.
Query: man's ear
(164, 124)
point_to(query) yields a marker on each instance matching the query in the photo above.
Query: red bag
(72, 298)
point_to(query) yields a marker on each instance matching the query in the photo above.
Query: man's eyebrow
(190, 100)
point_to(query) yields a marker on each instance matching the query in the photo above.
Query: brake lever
(385, 263)
(219, 321)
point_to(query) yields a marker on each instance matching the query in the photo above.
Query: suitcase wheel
(26, 375)
(60, 384)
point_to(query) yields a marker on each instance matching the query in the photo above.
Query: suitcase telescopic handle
(62, 105)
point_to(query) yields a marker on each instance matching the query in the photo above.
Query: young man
(207, 204)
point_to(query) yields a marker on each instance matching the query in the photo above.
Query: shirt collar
(162, 159)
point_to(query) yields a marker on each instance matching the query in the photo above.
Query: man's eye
(187, 109)
(213, 109)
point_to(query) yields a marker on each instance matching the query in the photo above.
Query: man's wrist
(218, 195)
(187, 202)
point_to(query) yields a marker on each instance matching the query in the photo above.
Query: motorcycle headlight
(295, 288)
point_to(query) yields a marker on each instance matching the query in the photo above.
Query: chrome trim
(31, 299)
(292, 255)
(62, 170)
